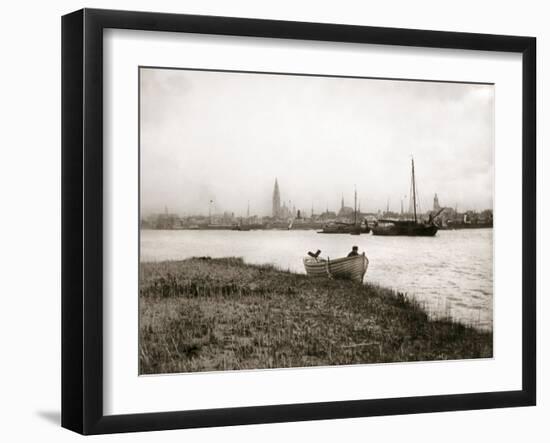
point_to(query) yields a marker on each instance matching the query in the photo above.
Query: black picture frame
(82, 220)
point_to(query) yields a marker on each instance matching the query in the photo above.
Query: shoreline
(293, 228)
(204, 314)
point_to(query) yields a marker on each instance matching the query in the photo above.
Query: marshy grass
(205, 314)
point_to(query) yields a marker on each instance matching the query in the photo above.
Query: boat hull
(349, 268)
(406, 229)
(341, 228)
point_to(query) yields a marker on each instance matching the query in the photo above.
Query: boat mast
(355, 206)
(414, 190)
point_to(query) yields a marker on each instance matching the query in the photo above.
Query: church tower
(276, 200)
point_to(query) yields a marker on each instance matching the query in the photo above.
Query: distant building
(445, 216)
(225, 218)
(345, 211)
(165, 220)
(276, 201)
(284, 212)
(327, 216)
(281, 211)
(486, 217)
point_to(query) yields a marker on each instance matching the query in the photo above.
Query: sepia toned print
(301, 220)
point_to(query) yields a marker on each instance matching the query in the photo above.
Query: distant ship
(343, 228)
(412, 227)
(354, 228)
(248, 226)
(404, 227)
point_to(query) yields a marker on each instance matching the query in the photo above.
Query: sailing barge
(404, 227)
(345, 228)
(355, 228)
(414, 227)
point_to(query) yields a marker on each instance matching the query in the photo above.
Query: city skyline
(290, 210)
(226, 136)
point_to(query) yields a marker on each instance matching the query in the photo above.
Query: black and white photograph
(300, 220)
(291, 221)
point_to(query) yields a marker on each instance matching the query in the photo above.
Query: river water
(450, 274)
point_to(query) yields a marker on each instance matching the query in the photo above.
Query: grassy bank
(207, 314)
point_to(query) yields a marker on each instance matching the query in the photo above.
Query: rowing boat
(351, 268)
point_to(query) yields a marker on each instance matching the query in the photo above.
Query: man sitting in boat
(354, 252)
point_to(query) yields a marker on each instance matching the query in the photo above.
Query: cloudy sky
(226, 137)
